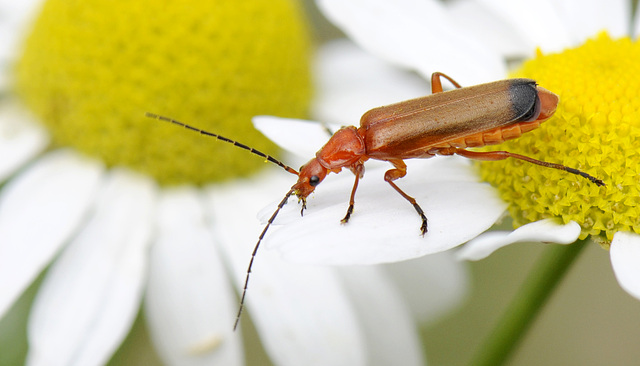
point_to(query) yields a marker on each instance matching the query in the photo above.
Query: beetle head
(311, 174)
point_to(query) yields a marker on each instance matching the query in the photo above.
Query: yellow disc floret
(596, 129)
(91, 69)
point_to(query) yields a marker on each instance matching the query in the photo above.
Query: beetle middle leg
(397, 173)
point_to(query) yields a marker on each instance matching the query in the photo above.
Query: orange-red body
(442, 123)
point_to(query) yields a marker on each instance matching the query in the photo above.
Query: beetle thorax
(344, 149)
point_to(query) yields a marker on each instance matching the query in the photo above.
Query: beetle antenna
(255, 250)
(222, 138)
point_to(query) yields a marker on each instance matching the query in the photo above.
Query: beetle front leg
(358, 170)
(303, 206)
(397, 173)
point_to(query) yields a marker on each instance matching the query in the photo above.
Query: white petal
(494, 31)
(190, 305)
(302, 313)
(301, 138)
(384, 226)
(625, 260)
(92, 293)
(20, 139)
(297, 136)
(415, 34)
(15, 19)
(39, 210)
(548, 231)
(351, 81)
(537, 21)
(585, 18)
(432, 286)
(391, 334)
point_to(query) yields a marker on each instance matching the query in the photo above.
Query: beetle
(442, 123)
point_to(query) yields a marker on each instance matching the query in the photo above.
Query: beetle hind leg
(436, 82)
(501, 155)
(397, 173)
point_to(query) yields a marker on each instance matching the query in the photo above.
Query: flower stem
(527, 304)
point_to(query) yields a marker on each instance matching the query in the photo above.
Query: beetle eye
(314, 180)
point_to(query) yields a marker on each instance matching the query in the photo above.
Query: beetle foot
(348, 215)
(304, 205)
(423, 227)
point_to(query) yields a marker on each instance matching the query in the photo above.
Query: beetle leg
(436, 83)
(397, 173)
(303, 206)
(501, 155)
(358, 170)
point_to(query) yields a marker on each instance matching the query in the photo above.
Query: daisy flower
(579, 50)
(593, 129)
(120, 208)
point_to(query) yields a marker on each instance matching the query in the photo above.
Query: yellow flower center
(596, 129)
(91, 69)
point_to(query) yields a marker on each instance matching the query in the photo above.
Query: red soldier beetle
(443, 123)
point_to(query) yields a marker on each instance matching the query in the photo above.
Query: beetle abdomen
(496, 136)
